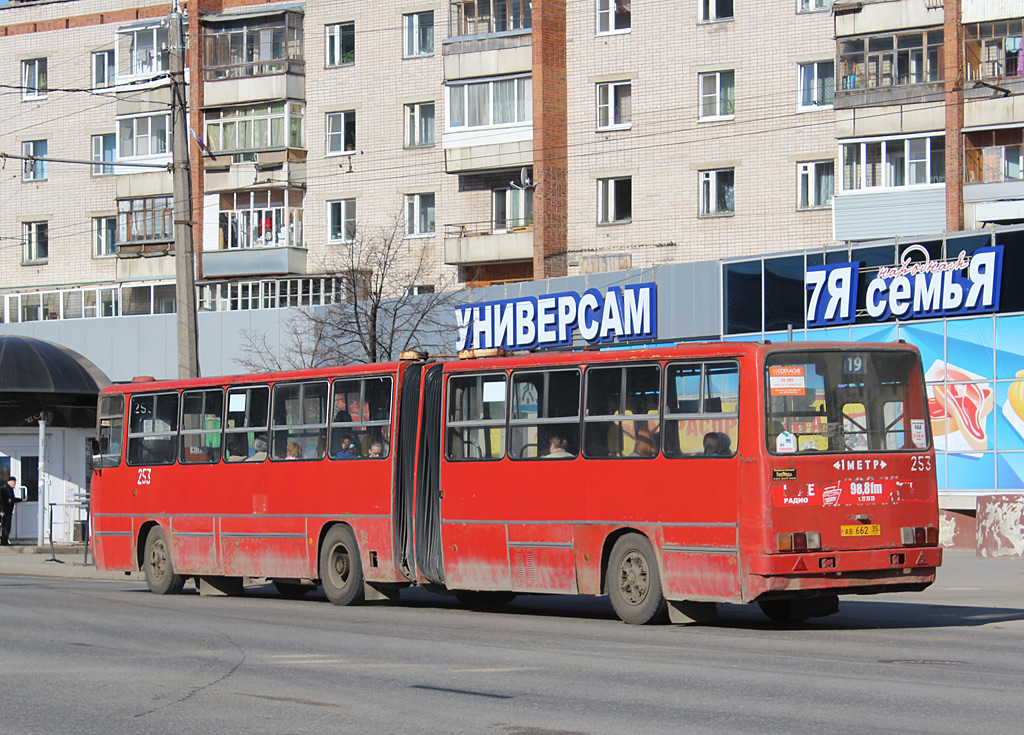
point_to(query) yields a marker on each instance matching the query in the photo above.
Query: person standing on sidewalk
(7, 501)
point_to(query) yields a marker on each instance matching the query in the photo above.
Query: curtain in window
(524, 99)
(457, 106)
(825, 185)
(504, 101)
(477, 112)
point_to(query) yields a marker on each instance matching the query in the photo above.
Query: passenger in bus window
(348, 448)
(259, 446)
(376, 450)
(717, 444)
(293, 451)
(643, 444)
(557, 448)
(237, 451)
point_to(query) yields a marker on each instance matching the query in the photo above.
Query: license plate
(863, 529)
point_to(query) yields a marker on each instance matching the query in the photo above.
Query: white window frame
(105, 166)
(334, 52)
(413, 44)
(33, 79)
(341, 221)
(720, 103)
(335, 126)
(458, 102)
(34, 170)
(414, 125)
(104, 69)
(417, 208)
(139, 128)
(888, 155)
(517, 206)
(607, 212)
(815, 84)
(812, 6)
(809, 176)
(709, 10)
(104, 236)
(143, 61)
(37, 250)
(710, 182)
(255, 121)
(609, 106)
(612, 12)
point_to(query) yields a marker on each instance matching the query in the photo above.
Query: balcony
(481, 242)
(254, 262)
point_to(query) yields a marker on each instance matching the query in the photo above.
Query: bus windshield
(845, 401)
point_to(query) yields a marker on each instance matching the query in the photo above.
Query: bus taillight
(919, 535)
(800, 541)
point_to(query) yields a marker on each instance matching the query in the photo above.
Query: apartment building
(499, 140)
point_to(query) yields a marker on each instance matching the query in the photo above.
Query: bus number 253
(921, 463)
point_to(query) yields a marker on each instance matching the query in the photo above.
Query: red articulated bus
(668, 478)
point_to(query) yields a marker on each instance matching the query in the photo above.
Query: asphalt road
(98, 656)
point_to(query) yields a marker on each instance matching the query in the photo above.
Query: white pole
(41, 480)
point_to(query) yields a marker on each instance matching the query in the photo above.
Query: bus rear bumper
(878, 568)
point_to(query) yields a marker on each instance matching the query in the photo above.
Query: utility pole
(185, 292)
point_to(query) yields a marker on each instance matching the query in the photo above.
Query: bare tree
(377, 308)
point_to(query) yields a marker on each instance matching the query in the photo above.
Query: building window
(614, 108)
(34, 170)
(993, 50)
(145, 219)
(143, 51)
(717, 192)
(420, 216)
(481, 17)
(33, 79)
(146, 135)
(711, 10)
(36, 236)
(891, 60)
(893, 162)
(341, 44)
(104, 236)
(341, 221)
(808, 6)
(419, 33)
(341, 132)
(717, 95)
(419, 290)
(104, 148)
(993, 156)
(817, 85)
(614, 200)
(613, 16)
(817, 181)
(498, 102)
(513, 208)
(260, 219)
(103, 74)
(255, 127)
(253, 47)
(419, 124)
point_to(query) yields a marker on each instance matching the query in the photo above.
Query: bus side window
(153, 428)
(299, 427)
(361, 422)
(702, 409)
(245, 424)
(201, 413)
(544, 418)
(622, 417)
(476, 417)
(109, 430)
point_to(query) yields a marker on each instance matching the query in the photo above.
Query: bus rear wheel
(633, 582)
(160, 574)
(341, 571)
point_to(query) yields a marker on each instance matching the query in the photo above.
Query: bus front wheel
(160, 574)
(633, 582)
(341, 571)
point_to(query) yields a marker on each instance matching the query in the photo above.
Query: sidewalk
(37, 561)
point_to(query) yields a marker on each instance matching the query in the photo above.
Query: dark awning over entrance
(36, 376)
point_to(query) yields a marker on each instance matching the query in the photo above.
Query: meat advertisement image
(958, 409)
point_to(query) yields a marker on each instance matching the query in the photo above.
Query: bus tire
(633, 582)
(341, 571)
(160, 574)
